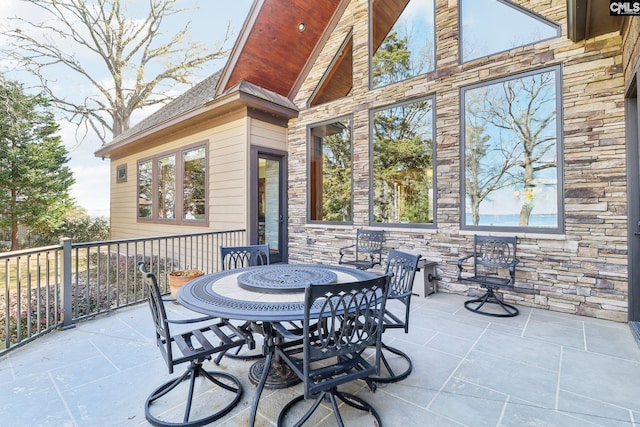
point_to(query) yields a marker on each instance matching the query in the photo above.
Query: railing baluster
(55, 286)
(67, 316)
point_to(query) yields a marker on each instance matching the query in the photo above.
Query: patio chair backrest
(349, 323)
(159, 316)
(244, 256)
(402, 266)
(492, 253)
(366, 252)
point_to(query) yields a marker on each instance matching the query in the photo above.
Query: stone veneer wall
(582, 271)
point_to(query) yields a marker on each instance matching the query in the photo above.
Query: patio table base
(279, 376)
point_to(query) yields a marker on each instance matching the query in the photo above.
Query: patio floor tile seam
(608, 355)
(520, 361)
(10, 367)
(107, 358)
(454, 370)
(60, 394)
(602, 402)
(578, 416)
(142, 338)
(413, 404)
(103, 379)
(526, 324)
(517, 401)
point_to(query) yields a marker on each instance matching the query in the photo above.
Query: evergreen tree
(34, 181)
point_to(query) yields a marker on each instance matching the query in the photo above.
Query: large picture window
(403, 178)
(512, 153)
(402, 40)
(330, 189)
(164, 189)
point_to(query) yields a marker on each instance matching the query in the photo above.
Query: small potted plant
(178, 278)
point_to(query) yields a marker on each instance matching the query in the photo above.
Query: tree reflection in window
(330, 171)
(511, 152)
(402, 40)
(403, 163)
(167, 187)
(145, 189)
(194, 184)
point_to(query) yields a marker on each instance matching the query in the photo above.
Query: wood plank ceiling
(276, 51)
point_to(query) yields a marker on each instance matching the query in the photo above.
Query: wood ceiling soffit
(275, 52)
(338, 80)
(386, 13)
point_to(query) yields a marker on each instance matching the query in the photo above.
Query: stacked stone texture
(581, 271)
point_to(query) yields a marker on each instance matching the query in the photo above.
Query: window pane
(145, 189)
(511, 153)
(330, 163)
(492, 26)
(403, 164)
(402, 40)
(194, 190)
(167, 187)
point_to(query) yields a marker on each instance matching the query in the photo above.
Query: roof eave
(230, 101)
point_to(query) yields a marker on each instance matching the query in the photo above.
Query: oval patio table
(263, 294)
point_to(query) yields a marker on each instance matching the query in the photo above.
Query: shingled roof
(195, 97)
(200, 99)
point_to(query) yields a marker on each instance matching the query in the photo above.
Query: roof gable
(278, 41)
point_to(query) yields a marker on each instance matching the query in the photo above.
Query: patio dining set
(316, 324)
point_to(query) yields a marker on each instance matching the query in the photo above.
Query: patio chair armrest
(283, 332)
(512, 269)
(191, 320)
(460, 262)
(242, 331)
(341, 250)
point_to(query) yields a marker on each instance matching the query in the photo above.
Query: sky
(209, 23)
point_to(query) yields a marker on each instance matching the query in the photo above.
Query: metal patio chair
(244, 256)
(193, 347)
(401, 266)
(233, 257)
(340, 322)
(366, 252)
(494, 267)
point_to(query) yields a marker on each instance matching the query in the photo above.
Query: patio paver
(539, 368)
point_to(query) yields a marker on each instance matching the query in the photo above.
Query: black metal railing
(55, 286)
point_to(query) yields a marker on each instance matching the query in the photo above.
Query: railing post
(67, 316)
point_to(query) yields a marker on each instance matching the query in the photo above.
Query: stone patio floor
(539, 368)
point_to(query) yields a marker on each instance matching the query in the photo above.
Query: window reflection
(167, 187)
(145, 189)
(403, 164)
(492, 26)
(330, 164)
(402, 40)
(194, 184)
(511, 147)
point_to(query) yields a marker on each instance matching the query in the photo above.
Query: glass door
(269, 202)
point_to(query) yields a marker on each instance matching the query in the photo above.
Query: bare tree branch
(137, 60)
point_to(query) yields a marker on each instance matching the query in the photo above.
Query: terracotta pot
(178, 278)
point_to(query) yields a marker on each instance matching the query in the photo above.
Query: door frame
(633, 197)
(282, 156)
